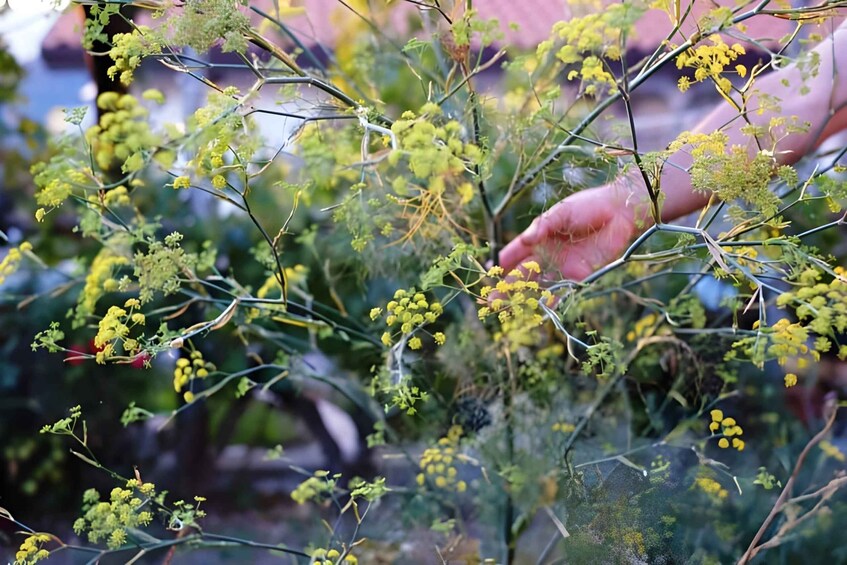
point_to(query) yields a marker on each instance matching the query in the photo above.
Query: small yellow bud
(181, 182)
(219, 182)
(532, 267)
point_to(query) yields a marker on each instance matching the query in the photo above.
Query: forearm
(592, 227)
(823, 107)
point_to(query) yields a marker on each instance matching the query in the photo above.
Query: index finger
(515, 253)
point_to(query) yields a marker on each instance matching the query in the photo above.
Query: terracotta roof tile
(534, 18)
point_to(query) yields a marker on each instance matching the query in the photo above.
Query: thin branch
(785, 496)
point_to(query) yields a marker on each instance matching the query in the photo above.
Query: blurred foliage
(194, 276)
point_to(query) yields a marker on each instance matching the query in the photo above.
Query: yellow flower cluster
(12, 260)
(438, 463)
(110, 520)
(745, 256)
(595, 74)
(115, 327)
(217, 129)
(642, 327)
(330, 557)
(31, 550)
(730, 430)
(123, 134)
(701, 144)
(437, 156)
(711, 487)
(516, 300)
(118, 196)
(821, 311)
(823, 305)
(585, 39)
(787, 340)
(790, 380)
(195, 367)
(128, 51)
(219, 182)
(709, 62)
(832, 451)
(436, 152)
(99, 280)
(409, 311)
(316, 488)
(181, 182)
(296, 275)
(563, 427)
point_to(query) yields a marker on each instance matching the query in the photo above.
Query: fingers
(571, 264)
(520, 249)
(575, 217)
(515, 253)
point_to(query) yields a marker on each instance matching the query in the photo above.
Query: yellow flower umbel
(516, 300)
(31, 550)
(832, 451)
(181, 182)
(821, 310)
(123, 136)
(99, 281)
(330, 557)
(711, 487)
(563, 427)
(114, 329)
(642, 327)
(409, 312)
(710, 62)
(587, 44)
(110, 520)
(730, 429)
(438, 464)
(12, 260)
(195, 367)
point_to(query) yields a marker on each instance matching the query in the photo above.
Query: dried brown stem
(785, 496)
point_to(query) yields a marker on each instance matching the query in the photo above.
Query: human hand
(578, 234)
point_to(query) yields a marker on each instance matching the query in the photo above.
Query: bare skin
(591, 228)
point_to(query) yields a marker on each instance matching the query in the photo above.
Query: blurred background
(224, 450)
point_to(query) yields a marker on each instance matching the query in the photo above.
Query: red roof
(325, 20)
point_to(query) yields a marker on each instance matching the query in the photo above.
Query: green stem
(509, 509)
